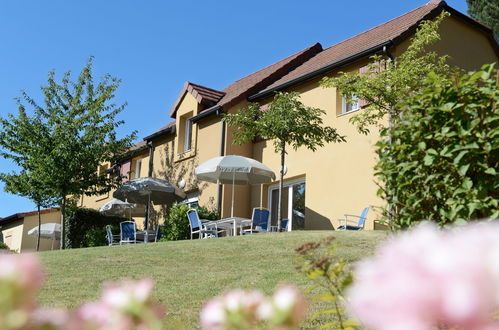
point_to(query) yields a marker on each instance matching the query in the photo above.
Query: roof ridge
(431, 3)
(282, 60)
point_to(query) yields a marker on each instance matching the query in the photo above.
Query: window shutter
(125, 171)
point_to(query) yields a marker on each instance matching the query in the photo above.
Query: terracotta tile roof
(205, 95)
(168, 128)
(249, 84)
(394, 30)
(266, 76)
(22, 215)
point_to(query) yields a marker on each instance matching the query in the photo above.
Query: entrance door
(293, 204)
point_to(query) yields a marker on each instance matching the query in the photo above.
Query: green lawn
(187, 273)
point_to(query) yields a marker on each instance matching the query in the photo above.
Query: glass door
(293, 204)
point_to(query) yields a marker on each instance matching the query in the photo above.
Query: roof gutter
(167, 130)
(217, 110)
(326, 69)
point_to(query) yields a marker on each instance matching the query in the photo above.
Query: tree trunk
(39, 228)
(63, 221)
(281, 186)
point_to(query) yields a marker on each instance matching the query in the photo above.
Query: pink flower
(428, 277)
(20, 280)
(22, 270)
(290, 306)
(49, 318)
(213, 315)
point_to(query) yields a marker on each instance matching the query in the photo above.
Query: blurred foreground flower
(429, 278)
(123, 306)
(239, 309)
(20, 279)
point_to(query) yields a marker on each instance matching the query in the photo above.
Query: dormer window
(188, 135)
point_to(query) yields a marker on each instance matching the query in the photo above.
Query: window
(138, 166)
(349, 104)
(192, 200)
(187, 135)
(293, 203)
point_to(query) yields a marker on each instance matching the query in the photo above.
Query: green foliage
(87, 227)
(443, 158)
(60, 146)
(487, 12)
(286, 121)
(330, 275)
(3, 246)
(176, 226)
(386, 83)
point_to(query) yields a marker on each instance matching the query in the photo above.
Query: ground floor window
(293, 203)
(192, 200)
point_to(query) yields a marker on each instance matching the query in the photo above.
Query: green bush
(3, 246)
(176, 226)
(440, 161)
(87, 227)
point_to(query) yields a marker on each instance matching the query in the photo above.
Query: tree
(443, 159)
(487, 12)
(287, 122)
(26, 184)
(74, 133)
(386, 82)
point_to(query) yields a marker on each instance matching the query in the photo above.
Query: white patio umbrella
(147, 190)
(234, 170)
(120, 208)
(49, 230)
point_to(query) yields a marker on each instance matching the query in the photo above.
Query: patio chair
(111, 239)
(128, 233)
(259, 221)
(349, 224)
(158, 233)
(284, 226)
(204, 228)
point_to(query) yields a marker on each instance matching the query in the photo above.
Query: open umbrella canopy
(121, 208)
(145, 190)
(234, 170)
(47, 230)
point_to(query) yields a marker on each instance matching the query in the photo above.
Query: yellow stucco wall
(16, 235)
(339, 177)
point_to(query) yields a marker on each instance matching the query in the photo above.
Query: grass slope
(188, 273)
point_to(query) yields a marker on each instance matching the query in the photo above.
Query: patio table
(232, 223)
(146, 235)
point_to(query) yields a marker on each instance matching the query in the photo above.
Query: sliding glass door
(293, 204)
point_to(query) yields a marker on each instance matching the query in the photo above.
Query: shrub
(176, 226)
(3, 246)
(87, 227)
(439, 161)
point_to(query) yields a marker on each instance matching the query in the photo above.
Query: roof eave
(168, 130)
(324, 70)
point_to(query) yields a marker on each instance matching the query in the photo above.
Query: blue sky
(155, 46)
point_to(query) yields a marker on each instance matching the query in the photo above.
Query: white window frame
(138, 167)
(188, 135)
(290, 197)
(344, 104)
(192, 198)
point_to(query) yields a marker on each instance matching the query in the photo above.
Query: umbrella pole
(261, 196)
(232, 207)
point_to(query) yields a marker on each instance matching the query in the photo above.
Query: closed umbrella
(147, 190)
(234, 170)
(119, 208)
(49, 230)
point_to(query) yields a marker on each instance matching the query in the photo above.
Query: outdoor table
(145, 235)
(232, 223)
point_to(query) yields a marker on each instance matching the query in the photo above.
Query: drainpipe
(149, 174)
(387, 53)
(222, 153)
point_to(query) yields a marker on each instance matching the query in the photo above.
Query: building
(14, 230)
(319, 187)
